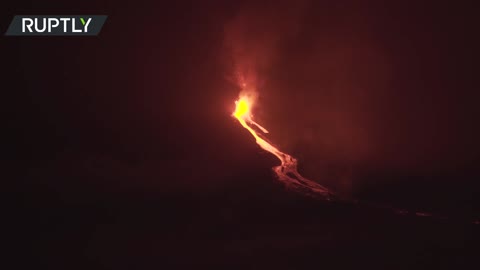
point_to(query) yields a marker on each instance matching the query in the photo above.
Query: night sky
(120, 151)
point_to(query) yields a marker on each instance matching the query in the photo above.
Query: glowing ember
(287, 170)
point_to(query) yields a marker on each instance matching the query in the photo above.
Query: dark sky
(378, 101)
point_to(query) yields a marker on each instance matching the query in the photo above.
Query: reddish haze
(360, 93)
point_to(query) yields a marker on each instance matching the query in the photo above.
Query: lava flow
(287, 170)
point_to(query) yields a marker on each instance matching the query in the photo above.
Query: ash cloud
(254, 36)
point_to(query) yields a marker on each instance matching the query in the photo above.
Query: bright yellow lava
(243, 114)
(242, 109)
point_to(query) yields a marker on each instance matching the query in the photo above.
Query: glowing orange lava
(287, 170)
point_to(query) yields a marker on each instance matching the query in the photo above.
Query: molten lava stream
(287, 170)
